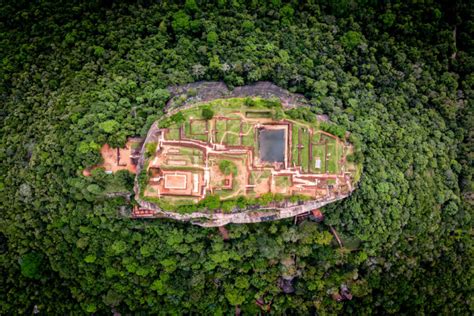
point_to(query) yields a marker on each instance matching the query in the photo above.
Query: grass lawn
(180, 168)
(225, 106)
(316, 137)
(221, 129)
(305, 150)
(249, 139)
(232, 104)
(191, 155)
(233, 126)
(294, 144)
(258, 114)
(170, 203)
(233, 138)
(204, 138)
(186, 151)
(172, 134)
(282, 181)
(257, 177)
(187, 129)
(197, 157)
(319, 151)
(193, 113)
(199, 127)
(224, 194)
(332, 156)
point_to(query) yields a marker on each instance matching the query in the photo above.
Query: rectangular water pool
(272, 145)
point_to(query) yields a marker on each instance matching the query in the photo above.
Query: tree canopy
(77, 75)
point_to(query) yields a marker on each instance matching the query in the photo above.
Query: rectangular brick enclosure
(175, 181)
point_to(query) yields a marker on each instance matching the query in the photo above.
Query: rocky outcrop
(210, 90)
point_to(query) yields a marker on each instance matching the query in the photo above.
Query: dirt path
(234, 133)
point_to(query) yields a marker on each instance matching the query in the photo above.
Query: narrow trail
(334, 232)
(234, 133)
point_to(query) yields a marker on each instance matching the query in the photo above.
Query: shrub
(30, 265)
(178, 118)
(249, 102)
(212, 202)
(227, 167)
(150, 149)
(333, 129)
(207, 113)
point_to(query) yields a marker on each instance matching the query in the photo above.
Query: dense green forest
(397, 74)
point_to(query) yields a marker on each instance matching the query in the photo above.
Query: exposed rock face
(344, 294)
(286, 285)
(211, 90)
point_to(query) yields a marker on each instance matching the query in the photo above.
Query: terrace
(278, 156)
(270, 157)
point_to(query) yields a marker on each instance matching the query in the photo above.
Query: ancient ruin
(238, 147)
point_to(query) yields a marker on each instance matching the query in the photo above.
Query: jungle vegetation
(397, 74)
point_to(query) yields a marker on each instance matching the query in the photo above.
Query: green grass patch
(193, 113)
(172, 134)
(187, 131)
(220, 130)
(199, 127)
(227, 167)
(258, 114)
(232, 140)
(294, 144)
(328, 139)
(305, 150)
(283, 181)
(332, 157)
(225, 194)
(184, 168)
(316, 137)
(135, 145)
(190, 155)
(249, 139)
(232, 137)
(186, 151)
(233, 126)
(257, 177)
(319, 151)
(175, 204)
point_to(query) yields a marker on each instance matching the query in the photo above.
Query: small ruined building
(115, 159)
